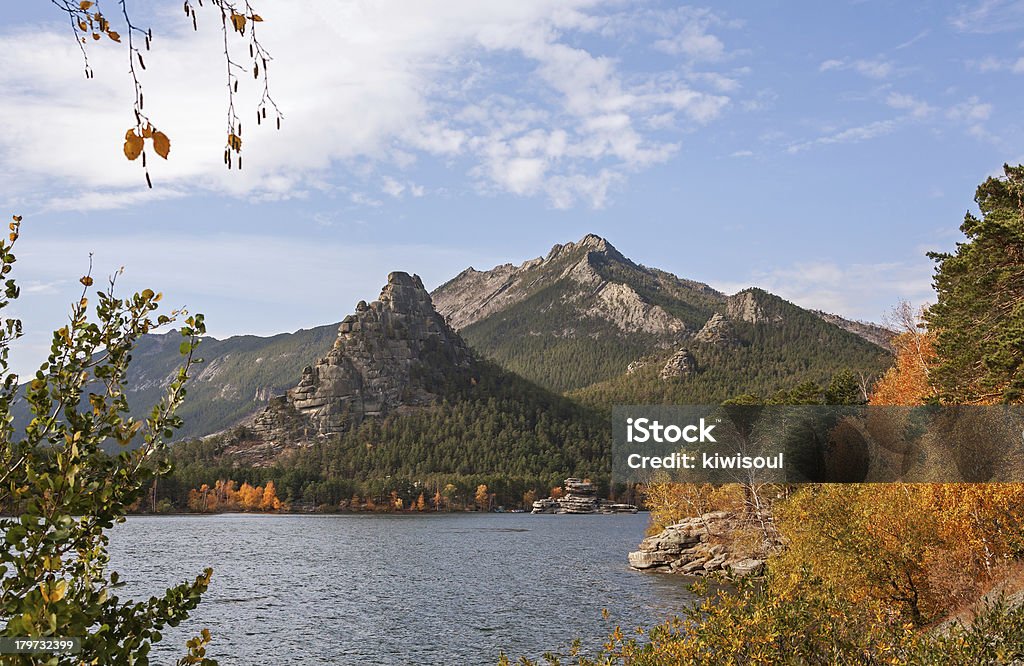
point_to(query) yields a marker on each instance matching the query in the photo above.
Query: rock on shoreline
(688, 548)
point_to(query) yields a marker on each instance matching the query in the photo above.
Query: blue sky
(815, 149)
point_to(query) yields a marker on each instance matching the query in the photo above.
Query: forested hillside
(499, 430)
(798, 347)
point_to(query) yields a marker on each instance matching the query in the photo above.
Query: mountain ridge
(576, 317)
(585, 303)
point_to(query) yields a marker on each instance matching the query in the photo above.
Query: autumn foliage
(228, 496)
(907, 381)
(919, 550)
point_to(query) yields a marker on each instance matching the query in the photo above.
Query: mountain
(575, 317)
(584, 313)
(400, 395)
(757, 344)
(584, 319)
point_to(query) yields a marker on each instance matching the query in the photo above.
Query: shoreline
(179, 514)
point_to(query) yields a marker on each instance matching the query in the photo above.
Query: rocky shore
(694, 547)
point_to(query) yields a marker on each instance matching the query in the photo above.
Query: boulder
(687, 548)
(746, 567)
(690, 568)
(643, 559)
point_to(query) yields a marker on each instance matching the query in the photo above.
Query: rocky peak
(388, 354)
(746, 306)
(682, 364)
(590, 243)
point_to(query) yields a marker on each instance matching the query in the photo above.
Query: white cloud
(994, 64)
(694, 41)
(917, 108)
(392, 187)
(363, 199)
(971, 110)
(108, 199)
(913, 40)
(850, 135)
(871, 68)
(359, 83)
(989, 16)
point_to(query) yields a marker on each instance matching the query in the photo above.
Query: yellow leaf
(113, 35)
(96, 35)
(82, 26)
(161, 144)
(133, 144)
(238, 21)
(84, 4)
(58, 590)
(257, 18)
(86, 280)
(235, 142)
(147, 131)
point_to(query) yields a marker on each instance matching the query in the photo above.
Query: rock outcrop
(744, 306)
(682, 364)
(391, 354)
(690, 548)
(717, 331)
(620, 304)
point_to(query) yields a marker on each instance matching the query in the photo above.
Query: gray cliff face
(382, 360)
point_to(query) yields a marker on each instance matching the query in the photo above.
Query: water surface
(395, 589)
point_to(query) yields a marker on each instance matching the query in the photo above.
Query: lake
(395, 589)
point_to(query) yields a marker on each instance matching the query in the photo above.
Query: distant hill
(238, 376)
(879, 335)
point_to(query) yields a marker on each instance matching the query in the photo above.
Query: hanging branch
(87, 20)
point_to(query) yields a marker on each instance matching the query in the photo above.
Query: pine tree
(979, 317)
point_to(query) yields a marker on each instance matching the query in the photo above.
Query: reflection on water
(371, 589)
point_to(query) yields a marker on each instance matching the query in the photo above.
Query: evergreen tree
(979, 317)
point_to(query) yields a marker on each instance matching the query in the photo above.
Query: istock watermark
(817, 444)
